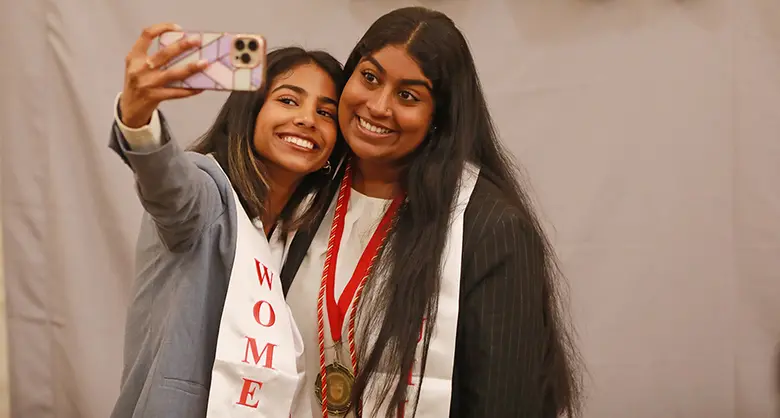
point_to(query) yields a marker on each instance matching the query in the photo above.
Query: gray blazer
(184, 257)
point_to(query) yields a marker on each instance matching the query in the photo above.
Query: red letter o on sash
(271, 314)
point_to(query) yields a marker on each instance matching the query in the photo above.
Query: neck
(376, 179)
(280, 187)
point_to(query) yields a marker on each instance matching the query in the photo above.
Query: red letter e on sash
(248, 392)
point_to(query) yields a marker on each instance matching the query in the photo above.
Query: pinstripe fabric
(500, 339)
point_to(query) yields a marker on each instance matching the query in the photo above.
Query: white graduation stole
(436, 388)
(258, 368)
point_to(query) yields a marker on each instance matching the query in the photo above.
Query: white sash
(258, 369)
(436, 388)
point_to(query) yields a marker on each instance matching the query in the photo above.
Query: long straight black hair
(464, 132)
(231, 139)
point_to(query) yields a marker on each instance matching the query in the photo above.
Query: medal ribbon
(337, 310)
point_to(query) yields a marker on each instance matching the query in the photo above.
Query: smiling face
(296, 130)
(386, 107)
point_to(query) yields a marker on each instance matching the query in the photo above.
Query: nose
(304, 122)
(379, 105)
(304, 118)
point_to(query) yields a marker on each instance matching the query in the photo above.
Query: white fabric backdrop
(649, 129)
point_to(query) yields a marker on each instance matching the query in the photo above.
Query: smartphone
(236, 61)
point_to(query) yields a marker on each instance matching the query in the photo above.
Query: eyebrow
(404, 81)
(303, 92)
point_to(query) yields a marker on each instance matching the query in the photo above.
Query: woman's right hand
(145, 83)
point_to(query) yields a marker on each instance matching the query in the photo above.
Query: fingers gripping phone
(236, 62)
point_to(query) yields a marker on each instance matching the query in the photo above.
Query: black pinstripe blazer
(500, 346)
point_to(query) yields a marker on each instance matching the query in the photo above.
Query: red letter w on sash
(262, 274)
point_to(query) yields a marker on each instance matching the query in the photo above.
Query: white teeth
(375, 129)
(298, 141)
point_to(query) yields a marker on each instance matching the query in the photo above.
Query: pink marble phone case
(224, 71)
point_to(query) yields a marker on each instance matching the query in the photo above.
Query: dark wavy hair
(230, 138)
(464, 132)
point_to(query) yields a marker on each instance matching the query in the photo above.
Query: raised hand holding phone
(236, 62)
(147, 80)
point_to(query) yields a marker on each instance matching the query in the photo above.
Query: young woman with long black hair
(430, 287)
(209, 216)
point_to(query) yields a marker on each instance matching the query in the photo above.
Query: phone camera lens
(253, 45)
(240, 44)
(245, 58)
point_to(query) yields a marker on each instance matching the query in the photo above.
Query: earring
(327, 168)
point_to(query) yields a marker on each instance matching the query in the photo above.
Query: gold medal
(340, 381)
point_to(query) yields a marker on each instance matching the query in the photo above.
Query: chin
(297, 167)
(302, 170)
(364, 148)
